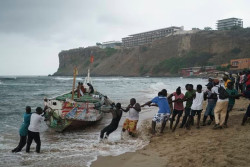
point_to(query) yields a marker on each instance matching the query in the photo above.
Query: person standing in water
(23, 131)
(178, 107)
(34, 128)
(116, 114)
(164, 110)
(130, 123)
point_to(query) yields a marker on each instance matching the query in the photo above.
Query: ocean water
(81, 147)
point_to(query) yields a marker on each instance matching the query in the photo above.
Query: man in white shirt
(34, 128)
(130, 123)
(196, 107)
(220, 110)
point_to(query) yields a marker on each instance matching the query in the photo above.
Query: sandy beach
(228, 147)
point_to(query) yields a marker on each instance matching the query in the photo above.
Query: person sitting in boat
(82, 89)
(116, 114)
(131, 122)
(78, 89)
(23, 131)
(45, 102)
(91, 89)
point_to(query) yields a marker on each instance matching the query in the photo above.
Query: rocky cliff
(162, 57)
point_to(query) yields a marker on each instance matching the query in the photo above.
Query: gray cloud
(39, 29)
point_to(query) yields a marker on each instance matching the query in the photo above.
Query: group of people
(220, 96)
(242, 79)
(80, 90)
(30, 129)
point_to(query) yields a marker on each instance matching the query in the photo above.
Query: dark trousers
(36, 137)
(187, 113)
(109, 129)
(21, 144)
(247, 114)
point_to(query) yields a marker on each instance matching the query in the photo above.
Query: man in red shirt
(178, 106)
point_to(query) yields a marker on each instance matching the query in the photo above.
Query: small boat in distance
(69, 111)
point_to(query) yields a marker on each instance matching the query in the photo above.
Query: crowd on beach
(219, 93)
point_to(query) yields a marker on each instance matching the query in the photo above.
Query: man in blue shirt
(164, 110)
(23, 131)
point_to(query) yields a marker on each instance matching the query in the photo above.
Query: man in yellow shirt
(226, 80)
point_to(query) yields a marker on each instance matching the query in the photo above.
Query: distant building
(149, 36)
(110, 44)
(196, 70)
(224, 65)
(226, 24)
(240, 64)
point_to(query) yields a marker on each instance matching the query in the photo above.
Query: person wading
(34, 128)
(23, 131)
(116, 114)
(164, 110)
(130, 123)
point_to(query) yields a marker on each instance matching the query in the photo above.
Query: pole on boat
(74, 82)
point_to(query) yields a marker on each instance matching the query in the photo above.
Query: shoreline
(196, 147)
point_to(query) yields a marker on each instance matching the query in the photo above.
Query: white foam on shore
(67, 78)
(106, 79)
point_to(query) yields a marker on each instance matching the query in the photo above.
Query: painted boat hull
(65, 114)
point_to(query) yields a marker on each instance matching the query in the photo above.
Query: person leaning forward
(23, 131)
(164, 112)
(34, 128)
(130, 123)
(220, 110)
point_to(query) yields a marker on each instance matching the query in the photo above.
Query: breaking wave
(66, 78)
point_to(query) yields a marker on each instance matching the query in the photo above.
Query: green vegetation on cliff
(192, 58)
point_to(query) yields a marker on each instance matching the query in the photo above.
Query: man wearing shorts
(178, 106)
(164, 110)
(131, 122)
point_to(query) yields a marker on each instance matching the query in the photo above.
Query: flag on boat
(91, 59)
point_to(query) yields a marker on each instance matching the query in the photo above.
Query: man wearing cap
(34, 128)
(220, 110)
(211, 102)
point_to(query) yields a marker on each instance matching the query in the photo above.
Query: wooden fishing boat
(69, 111)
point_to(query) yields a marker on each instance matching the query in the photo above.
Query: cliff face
(162, 57)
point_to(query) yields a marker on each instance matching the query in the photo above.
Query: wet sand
(228, 147)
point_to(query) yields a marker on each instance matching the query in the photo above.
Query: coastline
(195, 147)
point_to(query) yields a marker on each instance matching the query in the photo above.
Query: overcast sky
(33, 32)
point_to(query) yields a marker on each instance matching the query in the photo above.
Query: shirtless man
(116, 114)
